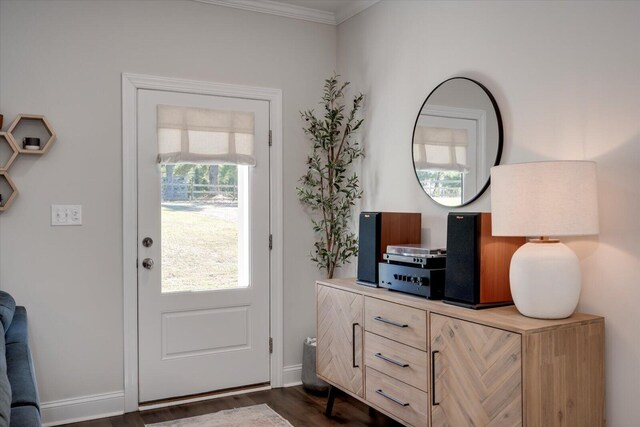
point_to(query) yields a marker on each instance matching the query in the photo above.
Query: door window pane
(204, 227)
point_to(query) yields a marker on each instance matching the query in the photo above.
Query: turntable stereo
(414, 269)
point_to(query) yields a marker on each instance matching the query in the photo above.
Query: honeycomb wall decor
(32, 126)
(19, 139)
(8, 191)
(8, 151)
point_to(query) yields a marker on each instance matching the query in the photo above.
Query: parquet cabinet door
(339, 351)
(477, 378)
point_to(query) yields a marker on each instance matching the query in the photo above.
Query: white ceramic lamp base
(545, 280)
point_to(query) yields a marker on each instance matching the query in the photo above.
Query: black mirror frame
(500, 139)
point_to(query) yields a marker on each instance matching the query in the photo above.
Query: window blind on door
(205, 136)
(440, 148)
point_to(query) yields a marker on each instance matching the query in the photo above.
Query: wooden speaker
(377, 230)
(477, 273)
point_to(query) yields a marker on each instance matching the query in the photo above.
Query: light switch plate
(66, 215)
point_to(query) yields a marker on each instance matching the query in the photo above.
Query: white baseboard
(110, 404)
(82, 408)
(291, 375)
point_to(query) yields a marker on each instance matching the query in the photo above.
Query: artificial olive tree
(329, 189)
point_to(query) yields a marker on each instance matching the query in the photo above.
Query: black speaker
(377, 230)
(368, 248)
(463, 258)
(477, 272)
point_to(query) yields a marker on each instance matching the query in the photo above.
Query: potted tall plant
(329, 189)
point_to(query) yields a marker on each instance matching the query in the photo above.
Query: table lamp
(543, 199)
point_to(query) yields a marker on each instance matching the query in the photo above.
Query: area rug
(257, 415)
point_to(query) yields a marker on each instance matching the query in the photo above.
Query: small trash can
(310, 381)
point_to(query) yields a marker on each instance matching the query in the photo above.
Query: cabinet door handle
(395, 362)
(391, 398)
(390, 322)
(433, 378)
(353, 344)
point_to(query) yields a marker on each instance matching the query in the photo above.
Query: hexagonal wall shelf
(8, 151)
(31, 125)
(8, 191)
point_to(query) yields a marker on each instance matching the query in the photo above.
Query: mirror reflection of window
(445, 187)
(457, 139)
(444, 148)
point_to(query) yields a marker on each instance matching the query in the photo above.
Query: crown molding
(296, 12)
(280, 9)
(353, 9)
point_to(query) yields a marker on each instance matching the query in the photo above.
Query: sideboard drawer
(397, 322)
(400, 361)
(400, 399)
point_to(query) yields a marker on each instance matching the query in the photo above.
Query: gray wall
(64, 59)
(565, 75)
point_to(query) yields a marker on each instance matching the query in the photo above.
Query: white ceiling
(331, 12)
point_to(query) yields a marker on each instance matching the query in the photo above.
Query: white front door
(203, 261)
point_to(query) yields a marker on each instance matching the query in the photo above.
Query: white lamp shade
(556, 198)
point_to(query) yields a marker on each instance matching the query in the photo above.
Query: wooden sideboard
(425, 362)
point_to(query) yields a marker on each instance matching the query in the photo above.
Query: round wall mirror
(457, 138)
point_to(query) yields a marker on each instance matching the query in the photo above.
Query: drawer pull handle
(390, 322)
(391, 398)
(395, 362)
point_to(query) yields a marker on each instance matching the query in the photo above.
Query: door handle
(353, 344)
(433, 378)
(147, 263)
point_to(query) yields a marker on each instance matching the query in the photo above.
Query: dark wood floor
(293, 403)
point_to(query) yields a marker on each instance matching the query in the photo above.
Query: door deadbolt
(147, 263)
(147, 242)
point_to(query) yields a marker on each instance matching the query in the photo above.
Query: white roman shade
(204, 136)
(438, 148)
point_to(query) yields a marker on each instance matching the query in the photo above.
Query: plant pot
(310, 380)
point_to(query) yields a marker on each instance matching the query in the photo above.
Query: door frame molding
(131, 83)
